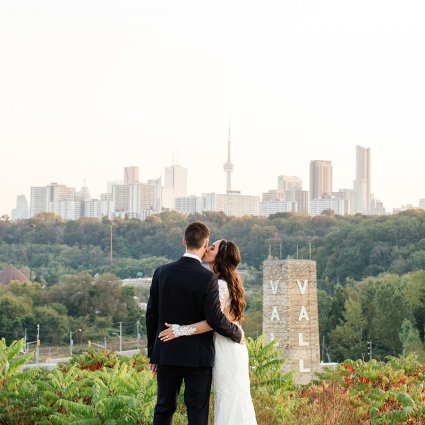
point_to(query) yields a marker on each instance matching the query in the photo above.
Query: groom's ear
(184, 242)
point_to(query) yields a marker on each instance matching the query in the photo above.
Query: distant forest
(351, 247)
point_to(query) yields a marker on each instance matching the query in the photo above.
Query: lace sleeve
(223, 292)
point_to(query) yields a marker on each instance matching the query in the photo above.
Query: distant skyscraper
(320, 178)
(175, 185)
(21, 211)
(42, 197)
(362, 182)
(289, 183)
(422, 203)
(131, 175)
(228, 166)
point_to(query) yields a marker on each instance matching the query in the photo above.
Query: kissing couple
(194, 336)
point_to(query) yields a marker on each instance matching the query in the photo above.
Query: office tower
(228, 166)
(422, 203)
(21, 211)
(83, 194)
(131, 175)
(68, 210)
(232, 204)
(60, 192)
(120, 197)
(362, 182)
(144, 197)
(320, 178)
(175, 185)
(289, 184)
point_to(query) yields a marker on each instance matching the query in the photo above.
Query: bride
(232, 397)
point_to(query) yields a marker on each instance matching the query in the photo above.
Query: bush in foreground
(106, 388)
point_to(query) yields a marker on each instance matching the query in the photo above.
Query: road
(52, 364)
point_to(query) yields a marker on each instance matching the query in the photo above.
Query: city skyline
(167, 181)
(91, 87)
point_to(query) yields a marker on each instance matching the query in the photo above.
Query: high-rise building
(68, 210)
(422, 203)
(328, 203)
(21, 211)
(131, 175)
(175, 185)
(60, 192)
(120, 197)
(362, 182)
(144, 197)
(320, 178)
(42, 196)
(289, 197)
(233, 204)
(289, 184)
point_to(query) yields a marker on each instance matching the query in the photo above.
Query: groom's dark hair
(195, 235)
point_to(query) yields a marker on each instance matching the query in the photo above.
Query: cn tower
(228, 166)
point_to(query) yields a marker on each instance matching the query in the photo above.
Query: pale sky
(88, 87)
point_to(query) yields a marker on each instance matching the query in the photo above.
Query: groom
(185, 292)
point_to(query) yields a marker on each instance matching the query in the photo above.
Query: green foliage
(265, 365)
(106, 388)
(11, 361)
(389, 392)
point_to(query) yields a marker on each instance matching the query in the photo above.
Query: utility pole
(120, 337)
(71, 341)
(37, 351)
(137, 334)
(25, 340)
(369, 349)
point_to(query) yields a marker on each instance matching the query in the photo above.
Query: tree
(348, 337)
(411, 340)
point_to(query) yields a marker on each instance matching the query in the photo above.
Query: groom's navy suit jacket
(185, 292)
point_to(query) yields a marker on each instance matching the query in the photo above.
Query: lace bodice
(223, 293)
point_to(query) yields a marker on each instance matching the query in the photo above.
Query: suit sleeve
(152, 313)
(215, 317)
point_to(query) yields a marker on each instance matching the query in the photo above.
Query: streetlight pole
(71, 341)
(37, 352)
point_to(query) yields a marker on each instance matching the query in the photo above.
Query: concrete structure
(233, 204)
(175, 185)
(288, 197)
(276, 206)
(290, 314)
(422, 203)
(120, 197)
(329, 202)
(68, 210)
(320, 178)
(92, 208)
(21, 212)
(42, 196)
(131, 175)
(362, 182)
(228, 167)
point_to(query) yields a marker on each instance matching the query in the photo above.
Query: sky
(90, 86)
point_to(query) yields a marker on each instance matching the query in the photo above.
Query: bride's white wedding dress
(232, 395)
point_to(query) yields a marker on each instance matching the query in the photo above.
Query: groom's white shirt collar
(188, 254)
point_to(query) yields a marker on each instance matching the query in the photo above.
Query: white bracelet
(182, 330)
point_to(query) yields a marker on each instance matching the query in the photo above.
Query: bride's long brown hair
(227, 259)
